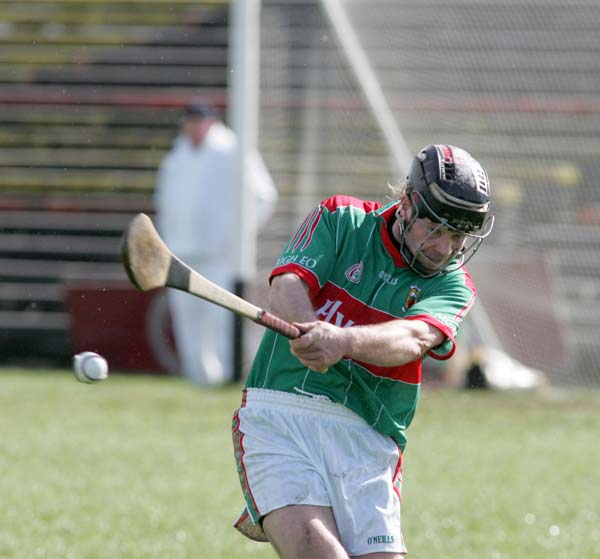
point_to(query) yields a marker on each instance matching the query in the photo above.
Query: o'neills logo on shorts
(380, 539)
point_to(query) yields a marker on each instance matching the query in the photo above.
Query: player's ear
(404, 210)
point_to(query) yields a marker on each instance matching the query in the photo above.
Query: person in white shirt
(194, 202)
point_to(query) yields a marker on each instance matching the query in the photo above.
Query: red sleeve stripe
(471, 286)
(307, 230)
(462, 313)
(312, 228)
(304, 233)
(301, 227)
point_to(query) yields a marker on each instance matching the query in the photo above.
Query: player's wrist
(348, 341)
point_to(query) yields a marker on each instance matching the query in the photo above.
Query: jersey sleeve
(445, 309)
(313, 250)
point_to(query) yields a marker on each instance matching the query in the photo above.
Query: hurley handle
(278, 325)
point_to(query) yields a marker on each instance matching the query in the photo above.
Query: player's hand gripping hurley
(150, 264)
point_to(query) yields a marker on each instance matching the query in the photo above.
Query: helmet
(451, 188)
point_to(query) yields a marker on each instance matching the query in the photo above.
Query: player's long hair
(398, 190)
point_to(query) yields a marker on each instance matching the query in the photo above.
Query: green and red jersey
(356, 276)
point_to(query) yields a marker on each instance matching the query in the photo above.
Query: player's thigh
(364, 489)
(304, 531)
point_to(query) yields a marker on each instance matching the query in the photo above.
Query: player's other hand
(320, 346)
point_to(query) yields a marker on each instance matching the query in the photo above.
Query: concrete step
(60, 247)
(36, 270)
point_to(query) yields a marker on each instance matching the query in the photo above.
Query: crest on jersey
(412, 297)
(354, 273)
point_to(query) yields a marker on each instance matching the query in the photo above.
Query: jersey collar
(391, 245)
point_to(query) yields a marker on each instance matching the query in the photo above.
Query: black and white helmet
(451, 188)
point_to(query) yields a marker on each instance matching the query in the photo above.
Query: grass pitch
(142, 468)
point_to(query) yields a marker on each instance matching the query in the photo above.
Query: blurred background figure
(194, 200)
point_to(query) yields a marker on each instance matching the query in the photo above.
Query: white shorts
(299, 450)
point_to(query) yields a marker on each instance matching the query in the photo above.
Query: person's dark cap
(199, 109)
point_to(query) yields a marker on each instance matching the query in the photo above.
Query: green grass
(142, 468)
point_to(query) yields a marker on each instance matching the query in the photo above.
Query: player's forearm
(289, 300)
(391, 343)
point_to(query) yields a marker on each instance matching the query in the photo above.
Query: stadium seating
(89, 104)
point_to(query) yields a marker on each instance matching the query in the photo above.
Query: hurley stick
(150, 264)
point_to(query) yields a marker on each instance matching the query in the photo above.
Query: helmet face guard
(450, 188)
(419, 262)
